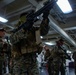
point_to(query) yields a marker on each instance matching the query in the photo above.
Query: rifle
(31, 17)
(64, 50)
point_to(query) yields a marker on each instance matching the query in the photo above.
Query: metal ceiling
(11, 9)
(5, 2)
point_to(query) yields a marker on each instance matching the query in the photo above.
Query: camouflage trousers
(1, 64)
(25, 65)
(54, 67)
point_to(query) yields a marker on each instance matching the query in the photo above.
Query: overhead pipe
(65, 29)
(57, 28)
(7, 25)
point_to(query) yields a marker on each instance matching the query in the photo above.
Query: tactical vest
(26, 41)
(28, 38)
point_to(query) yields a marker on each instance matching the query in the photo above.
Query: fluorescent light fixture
(50, 43)
(64, 6)
(69, 51)
(41, 37)
(3, 20)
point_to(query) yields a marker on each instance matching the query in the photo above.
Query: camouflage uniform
(1, 56)
(24, 65)
(25, 42)
(1, 64)
(55, 61)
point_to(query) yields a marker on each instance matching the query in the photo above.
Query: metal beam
(5, 2)
(19, 11)
(34, 2)
(7, 25)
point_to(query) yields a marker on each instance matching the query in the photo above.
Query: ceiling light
(50, 43)
(3, 20)
(64, 6)
(41, 37)
(69, 51)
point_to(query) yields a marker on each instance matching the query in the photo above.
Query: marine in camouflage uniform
(23, 60)
(24, 64)
(56, 61)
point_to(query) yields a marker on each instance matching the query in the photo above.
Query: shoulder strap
(38, 39)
